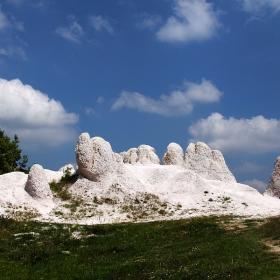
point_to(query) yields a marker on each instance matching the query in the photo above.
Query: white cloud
(72, 33)
(179, 102)
(256, 184)
(37, 119)
(4, 22)
(100, 100)
(99, 23)
(260, 6)
(91, 112)
(11, 51)
(193, 20)
(256, 135)
(149, 21)
(9, 21)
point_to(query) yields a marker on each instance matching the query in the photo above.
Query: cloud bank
(37, 119)
(193, 20)
(179, 102)
(255, 136)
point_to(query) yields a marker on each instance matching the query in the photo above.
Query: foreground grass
(198, 248)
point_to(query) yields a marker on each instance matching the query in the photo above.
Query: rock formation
(37, 184)
(197, 183)
(273, 187)
(130, 156)
(147, 155)
(174, 155)
(207, 163)
(95, 157)
(143, 155)
(68, 166)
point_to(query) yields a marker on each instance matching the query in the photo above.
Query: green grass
(198, 248)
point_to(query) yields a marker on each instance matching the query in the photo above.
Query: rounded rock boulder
(95, 158)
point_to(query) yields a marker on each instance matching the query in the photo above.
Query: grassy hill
(199, 248)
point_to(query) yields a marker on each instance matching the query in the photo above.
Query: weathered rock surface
(147, 155)
(174, 155)
(207, 163)
(273, 187)
(68, 166)
(143, 155)
(95, 157)
(37, 184)
(196, 184)
(130, 156)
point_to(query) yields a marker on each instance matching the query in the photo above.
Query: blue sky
(143, 72)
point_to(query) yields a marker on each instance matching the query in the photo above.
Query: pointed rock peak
(174, 155)
(273, 187)
(210, 164)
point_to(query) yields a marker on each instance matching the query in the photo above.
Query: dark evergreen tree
(10, 154)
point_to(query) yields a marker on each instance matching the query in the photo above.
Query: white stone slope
(134, 186)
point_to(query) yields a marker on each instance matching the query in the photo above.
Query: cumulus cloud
(37, 119)
(74, 32)
(260, 6)
(179, 102)
(193, 20)
(256, 135)
(256, 184)
(99, 23)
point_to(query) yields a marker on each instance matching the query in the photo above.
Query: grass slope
(198, 248)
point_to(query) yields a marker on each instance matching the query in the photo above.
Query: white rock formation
(95, 158)
(68, 166)
(273, 187)
(143, 155)
(131, 156)
(174, 155)
(207, 163)
(53, 175)
(147, 155)
(197, 184)
(37, 183)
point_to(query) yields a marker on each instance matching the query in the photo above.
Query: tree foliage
(10, 154)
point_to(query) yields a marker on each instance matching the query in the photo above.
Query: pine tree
(10, 154)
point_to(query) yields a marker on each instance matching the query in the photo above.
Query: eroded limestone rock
(174, 155)
(143, 155)
(95, 157)
(147, 155)
(209, 164)
(37, 183)
(130, 156)
(273, 187)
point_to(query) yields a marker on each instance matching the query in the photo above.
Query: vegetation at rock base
(60, 189)
(10, 154)
(198, 248)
